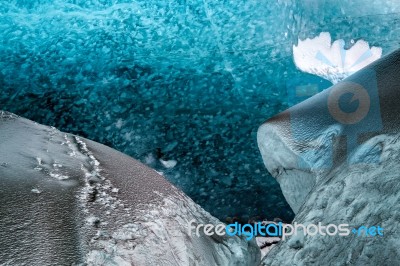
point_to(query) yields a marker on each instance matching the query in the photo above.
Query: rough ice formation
(87, 203)
(190, 79)
(173, 80)
(181, 80)
(332, 61)
(328, 179)
(359, 195)
(296, 182)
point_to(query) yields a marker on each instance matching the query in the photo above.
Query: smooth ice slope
(66, 200)
(340, 172)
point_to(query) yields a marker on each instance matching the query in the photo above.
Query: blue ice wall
(184, 80)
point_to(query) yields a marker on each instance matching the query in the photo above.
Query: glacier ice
(150, 79)
(112, 210)
(339, 173)
(331, 60)
(175, 80)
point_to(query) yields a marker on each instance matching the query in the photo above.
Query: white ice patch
(169, 163)
(58, 176)
(36, 191)
(331, 61)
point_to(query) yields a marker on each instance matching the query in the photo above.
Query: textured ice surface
(337, 173)
(111, 210)
(175, 80)
(360, 195)
(282, 153)
(332, 61)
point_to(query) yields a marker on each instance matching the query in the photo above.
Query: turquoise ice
(185, 81)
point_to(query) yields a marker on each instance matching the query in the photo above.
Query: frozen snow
(111, 210)
(157, 238)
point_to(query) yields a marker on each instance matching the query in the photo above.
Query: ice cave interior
(181, 85)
